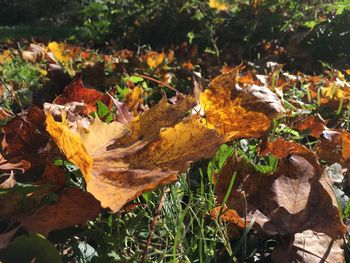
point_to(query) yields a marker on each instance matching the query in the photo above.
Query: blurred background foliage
(309, 30)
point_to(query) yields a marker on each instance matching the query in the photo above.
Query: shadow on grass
(42, 33)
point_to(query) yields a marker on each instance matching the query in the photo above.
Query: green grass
(171, 224)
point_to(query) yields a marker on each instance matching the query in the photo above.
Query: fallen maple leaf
(313, 124)
(24, 140)
(149, 151)
(154, 59)
(73, 207)
(228, 215)
(76, 91)
(34, 54)
(239, 112)
(334, 146)
(297, 197)
(282, 149)
(58, 52)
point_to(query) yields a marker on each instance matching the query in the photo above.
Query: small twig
(160, 83)
(154, 223)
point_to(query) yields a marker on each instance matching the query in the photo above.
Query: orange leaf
(154, 59)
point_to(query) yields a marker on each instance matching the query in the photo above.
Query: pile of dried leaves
(133, 148)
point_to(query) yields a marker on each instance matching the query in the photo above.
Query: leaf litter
(148, 142)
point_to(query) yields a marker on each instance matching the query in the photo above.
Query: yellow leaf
(237, 111)
(154, 59)
(134, 98)
(218, 5)
(42, 71)
(58, 52)
(126, 160)
(71, 144)
(5, 56)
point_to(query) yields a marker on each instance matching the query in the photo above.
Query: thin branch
(160, 83)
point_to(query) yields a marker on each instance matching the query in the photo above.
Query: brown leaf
(313, 124)
(73, 207)
(76, 91)
(228, 215)
(34, 54)
(334, 146)
(310, 247)
(9, 182)
(13, 164)
(162, 115)
(282, 149)
(54, 176)
(20, 133)
(295, 198)
(24, 141)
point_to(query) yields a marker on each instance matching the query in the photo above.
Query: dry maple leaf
(34, 54)
(282, 149)
(24, 141)
(313, 124)
(239, 112)
(76, 91)
(297, 197)
(154, 59)
(73, 207)
(334, 146)
(131, 158)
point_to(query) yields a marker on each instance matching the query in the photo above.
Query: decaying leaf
(296, 198)
(228, 215)
(34, 54)
(24, 141)
(334, 146)
(154, 59)
(311, 247)
(313, 125)
(13, 164)
(282, 149)
(161, 115)
(73, 207)
(76, 91)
